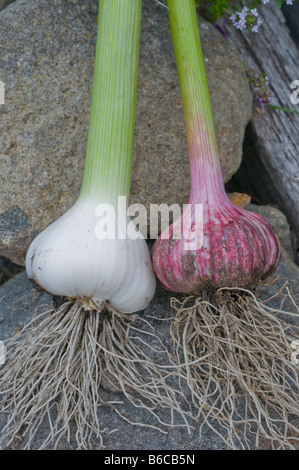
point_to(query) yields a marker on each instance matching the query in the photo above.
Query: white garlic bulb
(69, 259)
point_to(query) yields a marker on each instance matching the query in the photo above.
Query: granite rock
(46, 65)
(5, 3)
(292, 17)
(8, 269)
(279, 222)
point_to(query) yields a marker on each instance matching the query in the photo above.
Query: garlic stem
(199, 121)
(108, 161)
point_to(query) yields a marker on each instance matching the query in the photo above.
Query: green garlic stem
(108, 163)
(193, 80)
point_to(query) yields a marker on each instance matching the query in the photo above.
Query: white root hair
(58, 364)
(237, 357)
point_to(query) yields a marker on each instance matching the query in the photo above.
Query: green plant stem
(281, 108)
(108, 161)
(193, 80)
(205, 170)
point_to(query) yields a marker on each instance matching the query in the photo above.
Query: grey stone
(8, 269)
(46, 65)
(18, 301)
(280, 224)
(5, 3)
(291, 14)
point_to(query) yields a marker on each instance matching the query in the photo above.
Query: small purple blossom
(255, 27)
(243, 13)
(266, 1)
(247, 19)
(259, 84)
(239, 18)
(289, 2)
(265, 98)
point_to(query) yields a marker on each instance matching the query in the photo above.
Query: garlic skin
(239, 248)
(67, 259)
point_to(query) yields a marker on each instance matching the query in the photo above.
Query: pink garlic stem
(206, 174)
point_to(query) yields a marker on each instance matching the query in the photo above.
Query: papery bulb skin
(68, 259)
(239, 248)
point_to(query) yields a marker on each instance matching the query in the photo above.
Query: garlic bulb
(70, 260)
(239, 249)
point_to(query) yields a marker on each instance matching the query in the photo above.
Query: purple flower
(289, 2)
(243, 13)
(242, 23)
(267, 1)
(259, 84)
(265, 100)
(255, 27)
(247, 19)
(233, 19)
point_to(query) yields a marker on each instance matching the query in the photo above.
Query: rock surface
(8, 269)
(46, 65)
(4, 3)
(292, 17)
(279, 221)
